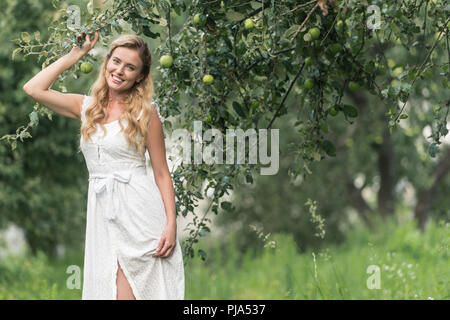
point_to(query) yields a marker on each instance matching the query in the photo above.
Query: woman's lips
(115, 81)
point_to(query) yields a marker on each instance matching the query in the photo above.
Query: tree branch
(286, 94)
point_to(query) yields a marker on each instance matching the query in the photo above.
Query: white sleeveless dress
(125, 221)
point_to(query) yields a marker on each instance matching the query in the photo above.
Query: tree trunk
(426, 197)
(358, 201)
(386, 197)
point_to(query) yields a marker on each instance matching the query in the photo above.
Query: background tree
(42, 181)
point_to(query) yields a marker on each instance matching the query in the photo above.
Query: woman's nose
(120, 70)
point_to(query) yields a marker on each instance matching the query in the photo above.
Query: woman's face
(123, 69)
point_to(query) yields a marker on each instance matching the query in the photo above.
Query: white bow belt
(108, 183)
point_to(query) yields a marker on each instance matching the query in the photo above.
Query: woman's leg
(124, 291)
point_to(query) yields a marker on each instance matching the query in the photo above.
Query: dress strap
(87, 101)
(156, 106)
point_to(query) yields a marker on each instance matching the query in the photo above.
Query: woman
(131, 249)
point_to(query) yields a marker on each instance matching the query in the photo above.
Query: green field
(412, 266)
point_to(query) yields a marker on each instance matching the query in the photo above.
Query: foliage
(413, 265)
(279, 204)
(256, 70)
(43, 184)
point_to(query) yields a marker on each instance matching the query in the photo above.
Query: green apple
(332, 111)
(336, 47)
(308, 61)
(353, 86)
(199, 20)
(309, 84)
(207, 78)
(314, 32)
(166, 61)
(86, 67)
(249, 24)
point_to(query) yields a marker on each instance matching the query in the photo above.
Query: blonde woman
(131, 249)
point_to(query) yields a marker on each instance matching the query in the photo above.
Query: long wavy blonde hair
(139, 97)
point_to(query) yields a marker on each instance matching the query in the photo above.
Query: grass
(411, 266)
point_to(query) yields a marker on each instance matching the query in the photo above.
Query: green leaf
(234, 16)
(226, 205)
(329, 148)
(289, 33)
(16, 52)
(255, 4)
(25, 37)
(205, 229)
(324, 127)
(34, 118)
(350, 111)
(167, 125)
(238, 108)
(201, 254)
(162, 22)
(146, 30)
(37, 36)
(260, 78)
(395, 29)
(225, 181)
(433, 149)
(165, 4)
(24, 134)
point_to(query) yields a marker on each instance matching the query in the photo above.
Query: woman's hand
(87, 45)
(167, 243)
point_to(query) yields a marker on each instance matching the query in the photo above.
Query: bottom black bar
(223, 309)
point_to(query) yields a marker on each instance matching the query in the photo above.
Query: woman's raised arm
(38, 87)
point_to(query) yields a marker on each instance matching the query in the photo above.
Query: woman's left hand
(167, 243)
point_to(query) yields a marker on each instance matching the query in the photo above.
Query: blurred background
(306, 239)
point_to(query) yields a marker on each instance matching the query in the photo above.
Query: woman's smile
(116, 79)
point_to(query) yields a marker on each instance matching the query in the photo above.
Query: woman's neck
(116, 98)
